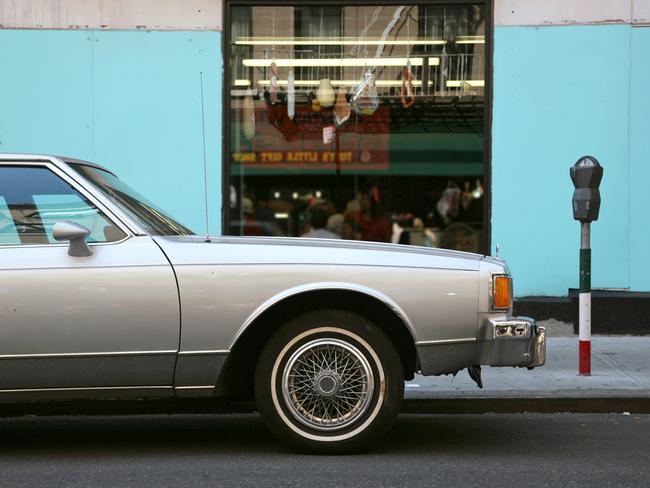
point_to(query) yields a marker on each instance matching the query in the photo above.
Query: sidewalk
(620, 381)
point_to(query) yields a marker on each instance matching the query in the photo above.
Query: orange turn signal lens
(502, 289)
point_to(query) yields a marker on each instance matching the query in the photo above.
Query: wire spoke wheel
(327, 384)
(329, 381)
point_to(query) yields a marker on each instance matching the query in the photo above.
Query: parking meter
(586, 175)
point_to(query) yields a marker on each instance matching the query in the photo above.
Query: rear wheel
(329, 381)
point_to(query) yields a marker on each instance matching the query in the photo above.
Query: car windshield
(145, 213)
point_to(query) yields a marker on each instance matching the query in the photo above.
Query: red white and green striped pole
(584, 320)
(586, 175)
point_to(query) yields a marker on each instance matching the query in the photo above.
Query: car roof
(82, 162)
(52, 158)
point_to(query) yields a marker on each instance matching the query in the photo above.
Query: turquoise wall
(129, 100)
(560, 93)
(640, 160)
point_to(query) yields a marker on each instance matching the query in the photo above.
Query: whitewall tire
(329, 381)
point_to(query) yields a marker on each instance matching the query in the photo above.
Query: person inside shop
(349, 230)
(371, 222)
(335, 209)
(251, 226)
(318, 222)
(265, 216)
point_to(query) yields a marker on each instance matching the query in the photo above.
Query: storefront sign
(311, 141)
(363, 159)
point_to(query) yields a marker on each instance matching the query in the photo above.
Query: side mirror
(76, 234)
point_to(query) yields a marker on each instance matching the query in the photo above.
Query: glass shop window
(358, 122)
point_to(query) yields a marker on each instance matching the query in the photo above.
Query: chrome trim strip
(4, 157)
(203, 353)
(85, 354)
(65, 244)
(53, 268)
(446, 341)
(313, 263)
(88, 388)
(202, 387)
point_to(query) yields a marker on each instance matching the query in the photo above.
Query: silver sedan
(103, 295)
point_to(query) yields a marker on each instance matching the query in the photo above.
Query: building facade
(306, 107)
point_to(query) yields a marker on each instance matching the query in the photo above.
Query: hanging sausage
(315, 104)
(407, 92)
(341, 108)
(248, 115)
(291, 95)
(273, 83)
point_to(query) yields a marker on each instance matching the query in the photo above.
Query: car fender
(321, 286)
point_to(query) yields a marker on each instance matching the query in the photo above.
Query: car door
(109, 320)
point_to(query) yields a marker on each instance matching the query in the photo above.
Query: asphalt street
(501, 450)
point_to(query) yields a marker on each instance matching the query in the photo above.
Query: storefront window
(358, 122)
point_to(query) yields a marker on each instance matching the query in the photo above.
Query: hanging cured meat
(273, 83)
(315, 104)
(325, 93)
(444, 71)
(248, 115)
(408, 92)
(365, 100)
(291, 95)
(341, 108)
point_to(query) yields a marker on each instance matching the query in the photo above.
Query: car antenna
(205, 163)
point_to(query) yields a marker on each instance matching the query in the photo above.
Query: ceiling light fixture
(470, 40)
(459, 83)
(337, 62)
(330, 41)
(379, 83)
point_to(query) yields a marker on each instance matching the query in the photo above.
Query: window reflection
(358, 122)
(33, 199)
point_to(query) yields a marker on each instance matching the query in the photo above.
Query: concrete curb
(437, 405)
(594, 404)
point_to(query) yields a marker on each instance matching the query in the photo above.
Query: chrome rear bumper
(517, 341)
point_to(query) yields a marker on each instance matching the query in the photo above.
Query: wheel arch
(236, 377)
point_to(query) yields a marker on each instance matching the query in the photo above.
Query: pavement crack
(613, 364)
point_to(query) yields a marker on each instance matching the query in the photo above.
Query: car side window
(8, 232)
(33, 199)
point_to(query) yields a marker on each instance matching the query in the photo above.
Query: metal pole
(584, 367)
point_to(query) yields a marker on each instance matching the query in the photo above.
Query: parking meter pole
(584, 367)
(586, 175)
